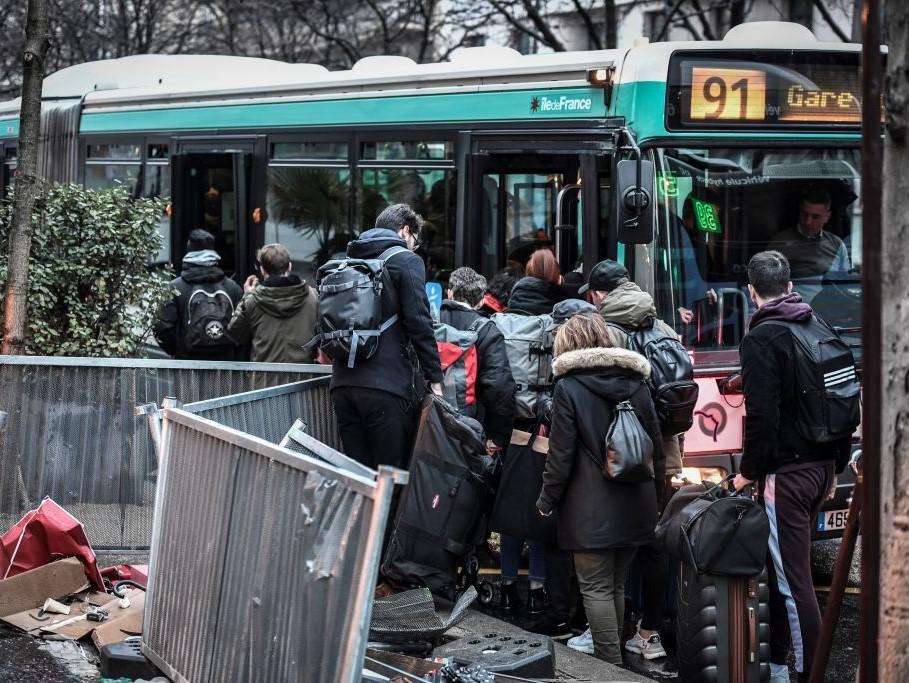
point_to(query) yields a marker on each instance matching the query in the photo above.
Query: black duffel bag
(715, 530)
(514, 512)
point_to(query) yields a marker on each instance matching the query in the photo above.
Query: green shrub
(90, 291)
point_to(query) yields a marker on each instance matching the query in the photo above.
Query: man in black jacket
(495, 384)
(795, 475)
(375, 401)
(199, 331)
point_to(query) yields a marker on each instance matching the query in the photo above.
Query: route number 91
(728, 94)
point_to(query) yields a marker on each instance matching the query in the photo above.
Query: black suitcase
(444, 507)
(723, 628)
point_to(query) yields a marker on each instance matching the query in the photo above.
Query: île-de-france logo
(563, 103)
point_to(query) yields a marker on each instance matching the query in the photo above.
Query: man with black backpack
(802, 406)
(380, 286)
(193, 324)
(632, 322)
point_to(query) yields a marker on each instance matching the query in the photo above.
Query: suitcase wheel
(485, 592)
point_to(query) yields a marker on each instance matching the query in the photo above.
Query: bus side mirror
(634, 201)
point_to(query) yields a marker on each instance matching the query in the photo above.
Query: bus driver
(812, 251)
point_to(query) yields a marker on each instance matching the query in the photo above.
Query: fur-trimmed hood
(601, 358)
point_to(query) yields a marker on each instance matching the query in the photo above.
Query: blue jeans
(511, 557)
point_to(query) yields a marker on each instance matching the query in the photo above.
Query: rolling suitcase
(443, 510)
(723, 628)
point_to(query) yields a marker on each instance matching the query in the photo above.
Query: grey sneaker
(582, 643)
(648, 648)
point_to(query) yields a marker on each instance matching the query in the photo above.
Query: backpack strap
(391, 251)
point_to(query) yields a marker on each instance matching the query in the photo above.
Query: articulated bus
(679, 159)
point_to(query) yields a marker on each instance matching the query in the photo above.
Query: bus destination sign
(722, 92)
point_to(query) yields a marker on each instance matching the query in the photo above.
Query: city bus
(679, 159)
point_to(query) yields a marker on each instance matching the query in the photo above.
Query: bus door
(523, 194)
(210, 190)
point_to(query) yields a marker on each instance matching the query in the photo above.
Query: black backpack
(628, 449)
(208, 313)
(671, 380)
(829, 395)
(350, 306)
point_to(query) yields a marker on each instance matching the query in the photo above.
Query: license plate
(831, 520)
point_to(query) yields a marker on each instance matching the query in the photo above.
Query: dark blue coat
(390, 369)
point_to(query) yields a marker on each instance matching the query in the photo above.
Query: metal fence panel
(72, 434)
(271, 578)
(269, 413)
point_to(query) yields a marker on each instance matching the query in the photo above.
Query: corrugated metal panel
(72, 433)
(269, 413)
(271, 579)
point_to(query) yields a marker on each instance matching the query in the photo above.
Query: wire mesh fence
(72, 433)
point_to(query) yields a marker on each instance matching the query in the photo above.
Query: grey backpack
(351, 320)
(528, 344)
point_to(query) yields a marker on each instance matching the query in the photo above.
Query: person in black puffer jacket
(495, 385)
(200, 272)
(601, 522)
(541, 287)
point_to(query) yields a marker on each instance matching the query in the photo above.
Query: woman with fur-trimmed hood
(601, 522)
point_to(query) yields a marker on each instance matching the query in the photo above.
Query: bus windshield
(718, 207)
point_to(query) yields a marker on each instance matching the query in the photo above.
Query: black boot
(536, 602)
(509, 600)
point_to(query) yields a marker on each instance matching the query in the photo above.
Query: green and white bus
(500, 153)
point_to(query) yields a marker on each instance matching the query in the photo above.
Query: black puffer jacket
(534, 296)
(496, 387)
(593, 513)
(390, 368)
(169, 328)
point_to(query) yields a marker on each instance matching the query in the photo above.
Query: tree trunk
(611, 26)
(20, 240)
(893, 650)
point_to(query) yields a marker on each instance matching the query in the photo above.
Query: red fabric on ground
(43, 535)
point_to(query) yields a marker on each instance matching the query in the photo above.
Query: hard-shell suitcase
(443, 511)
(723, 628)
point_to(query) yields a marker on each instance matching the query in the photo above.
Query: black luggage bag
(443, 511)
(722, 628)
(515, 509)
(715, 530)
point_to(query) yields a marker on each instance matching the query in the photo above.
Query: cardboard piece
(122, 624)
(30, 589)
(74, 625)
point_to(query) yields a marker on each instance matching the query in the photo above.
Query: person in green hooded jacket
(278, 311)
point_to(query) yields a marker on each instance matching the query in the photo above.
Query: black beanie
(200, 240)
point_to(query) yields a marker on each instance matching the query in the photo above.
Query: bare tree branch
(825, 13)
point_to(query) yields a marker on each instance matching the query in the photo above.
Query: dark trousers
(558, 583)
(376, 427)
(654, 564)
(792, 500)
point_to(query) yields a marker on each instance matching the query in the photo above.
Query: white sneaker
(779, 673)
(648, 648)
(582, 643)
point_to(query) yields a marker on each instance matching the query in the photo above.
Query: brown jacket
(279, 317)
(631, 307)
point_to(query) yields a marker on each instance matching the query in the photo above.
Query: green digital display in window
(707, 216)
(668, 185)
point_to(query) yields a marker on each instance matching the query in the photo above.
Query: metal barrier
(269, 413)
(263, 560)
(72, 433)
